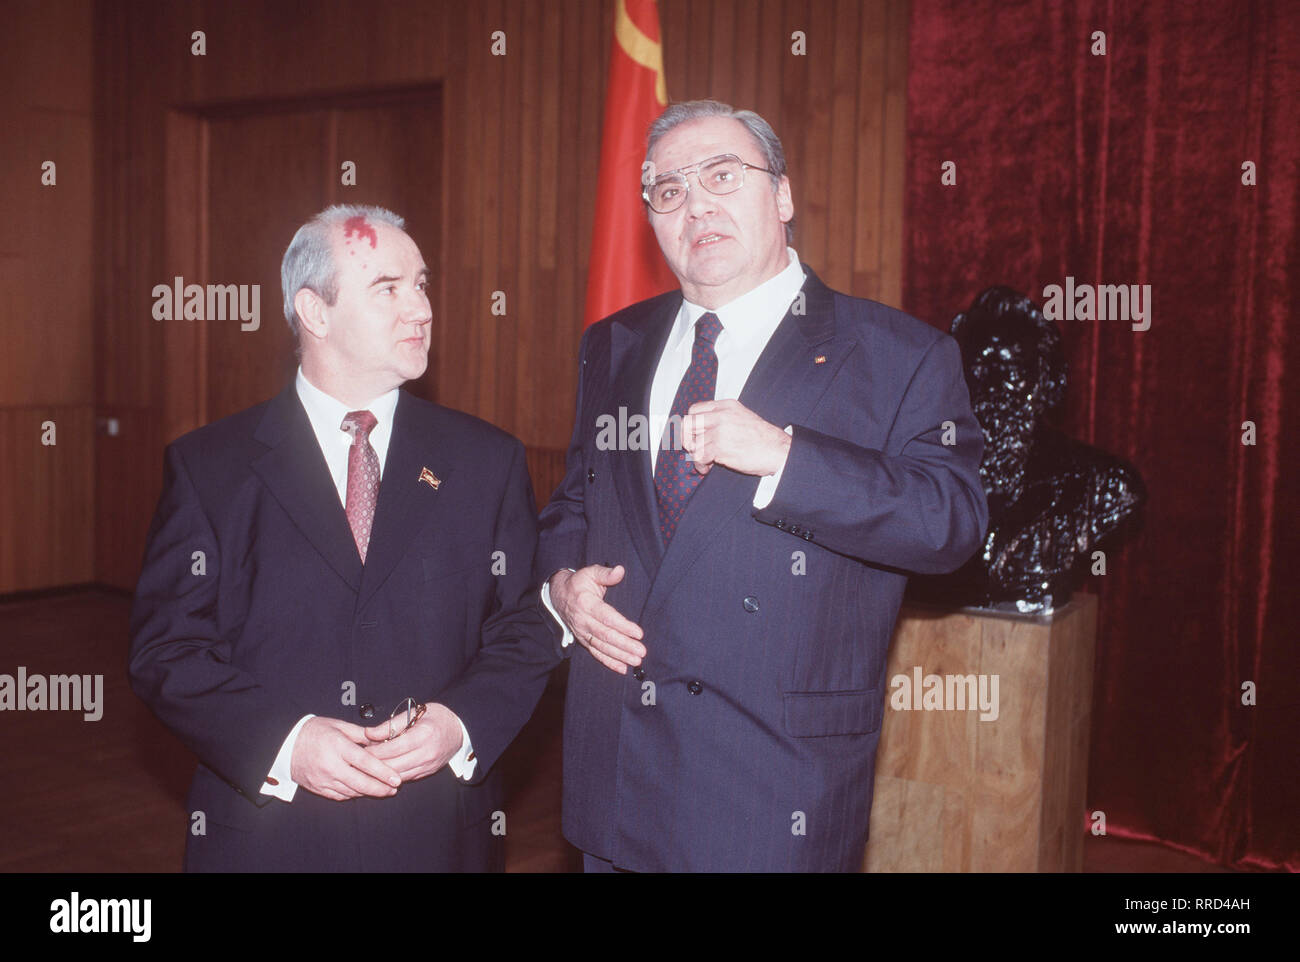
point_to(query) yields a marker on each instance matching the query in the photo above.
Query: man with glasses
(334, 610)
(732, 584)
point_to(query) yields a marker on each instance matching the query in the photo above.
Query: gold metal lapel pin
(429, 478)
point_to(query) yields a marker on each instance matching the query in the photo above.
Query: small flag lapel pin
(820, 359)
(429, 478)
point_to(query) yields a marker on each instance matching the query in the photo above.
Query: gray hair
(309, 260)
(768, 143)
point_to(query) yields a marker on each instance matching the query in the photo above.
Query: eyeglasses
(404, 716)
(724, 174)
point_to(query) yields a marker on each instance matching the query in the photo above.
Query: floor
(108, 796)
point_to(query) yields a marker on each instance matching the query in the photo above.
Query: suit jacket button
(591, 474)
(638, 674)
(367, 711)
(807, 535)
(695, 688)
(780, 524)
(796, 530)
(751, 604)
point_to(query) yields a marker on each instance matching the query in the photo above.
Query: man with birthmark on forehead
(731, 576)
(334, 611)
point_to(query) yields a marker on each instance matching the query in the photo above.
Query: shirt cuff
(279, 780)
(463, 763)
(568, 638)
(767, 484)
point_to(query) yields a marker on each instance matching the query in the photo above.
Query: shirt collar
(755, 313)
(326, 412)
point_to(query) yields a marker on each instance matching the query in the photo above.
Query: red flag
(626, 265)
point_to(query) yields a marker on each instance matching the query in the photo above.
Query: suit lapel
(405, 502)
(294, 470)
(785, 385)
(635, 350)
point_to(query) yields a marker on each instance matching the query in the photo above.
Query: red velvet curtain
(1127, 168)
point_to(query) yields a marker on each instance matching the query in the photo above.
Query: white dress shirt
(326, 416)
(748, 323)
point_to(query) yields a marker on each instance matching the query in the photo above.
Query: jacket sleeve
(499, 689)
(180, 665)
(922, 509)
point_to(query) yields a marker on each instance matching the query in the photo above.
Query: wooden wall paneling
(523, 246)
(466, 228)
(550, 201)
(264, 180)
(49, 340)
(128, 470)
(493, 167)
(46, 491)
(720, 55)
(555, 339)
(46, 496)
(116, 524)
(458, 226)
(185, 368)
(697, 39)
(870, 150)
(45, 253)
(500, 343)
(47, 55)
(894, 154)
(796, 74)
(842, 153)
(258, 49)
(554, 200)
(746, 19)
(773, 48)
(598, 30)
(814, 172)
(397, 147)
(129, 346)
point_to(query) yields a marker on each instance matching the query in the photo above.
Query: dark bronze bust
(1053, 501)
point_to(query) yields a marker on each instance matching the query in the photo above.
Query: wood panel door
(263, 169)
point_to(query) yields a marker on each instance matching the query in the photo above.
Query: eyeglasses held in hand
(404, 716)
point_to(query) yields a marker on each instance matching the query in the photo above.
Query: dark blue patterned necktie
(675, 476)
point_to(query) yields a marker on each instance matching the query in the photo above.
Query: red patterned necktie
(363, 477)
(675, 476)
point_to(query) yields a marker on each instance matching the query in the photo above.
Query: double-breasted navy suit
(282, 619)
(746, 739)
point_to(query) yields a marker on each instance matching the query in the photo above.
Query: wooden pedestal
(957, 794)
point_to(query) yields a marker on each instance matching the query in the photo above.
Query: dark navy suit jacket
(747, 741)
(286, 621)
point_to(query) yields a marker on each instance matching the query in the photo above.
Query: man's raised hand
(730, 434)
(579, 597)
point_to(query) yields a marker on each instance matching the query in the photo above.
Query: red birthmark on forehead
(357, 225)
